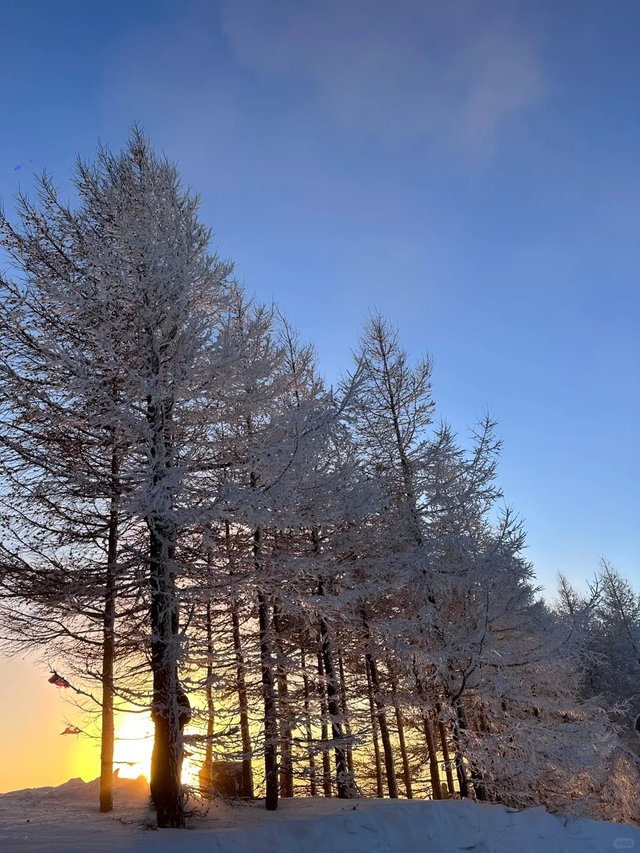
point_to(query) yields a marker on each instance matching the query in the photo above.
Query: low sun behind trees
(320, 583)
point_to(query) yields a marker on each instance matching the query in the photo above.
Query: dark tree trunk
(166, 761)
(478, 781)
(241, 680)
(286, 758)
(269, 699)
(307, 724)
(108, 647)
(400, 724)
(208, 752)
(344, 779)
(166, 712)
(434, 769)
(385, 736)
(374, 731)
(442, 730)
(461, 772)
(345, 714)
(324, 729)
(241, 688)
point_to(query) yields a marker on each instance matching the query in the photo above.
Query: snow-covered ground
(66, 819)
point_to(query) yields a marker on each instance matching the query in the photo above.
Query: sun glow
(133, 747)
(134, 742)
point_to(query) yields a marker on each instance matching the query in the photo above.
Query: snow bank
(62, 819)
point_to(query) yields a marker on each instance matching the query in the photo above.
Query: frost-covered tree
(606, 623)
(62, 447)
(146, 294)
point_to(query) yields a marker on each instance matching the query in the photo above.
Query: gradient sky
(468, 168)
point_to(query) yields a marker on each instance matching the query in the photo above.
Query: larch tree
(148, 294)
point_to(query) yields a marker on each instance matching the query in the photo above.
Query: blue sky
(468, 168)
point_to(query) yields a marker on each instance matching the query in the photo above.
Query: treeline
(313, 590)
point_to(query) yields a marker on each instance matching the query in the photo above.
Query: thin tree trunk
(374, 731)
(286, 759)
(241, 679)
(269, 699)
(241, 689)
(324, 729)
(208, 752)
(344, 778)
(400, 724)
(442, 729)
(108, 647)
(434, 769)
(385, 736)
(461, 771)
(478, 789)
(307, 724)
(345, 714)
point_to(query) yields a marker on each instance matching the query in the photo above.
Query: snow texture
(66, 819)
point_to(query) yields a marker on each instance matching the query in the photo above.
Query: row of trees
(320, 585)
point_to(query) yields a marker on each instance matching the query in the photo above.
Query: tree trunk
(461, 771)
(108, 648)
(307, 724)
(478, 781)
(166, 713)
(324, 729)
(403, 746)
(208, 752)
(241, 688)
(269, 699)
(286, 759)
(374, 730)
(385, 736)
(166, 761)
(434, 769)
(241, 680)
(442, 729)
(345, 715)
(344, 780)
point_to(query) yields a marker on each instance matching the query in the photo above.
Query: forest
(313, 590)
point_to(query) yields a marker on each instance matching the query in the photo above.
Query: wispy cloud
(454, 72)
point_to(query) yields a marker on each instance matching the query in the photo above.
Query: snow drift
(66, 819)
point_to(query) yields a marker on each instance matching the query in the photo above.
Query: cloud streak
(453, 73)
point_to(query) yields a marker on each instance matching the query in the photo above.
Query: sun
(133, 747)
